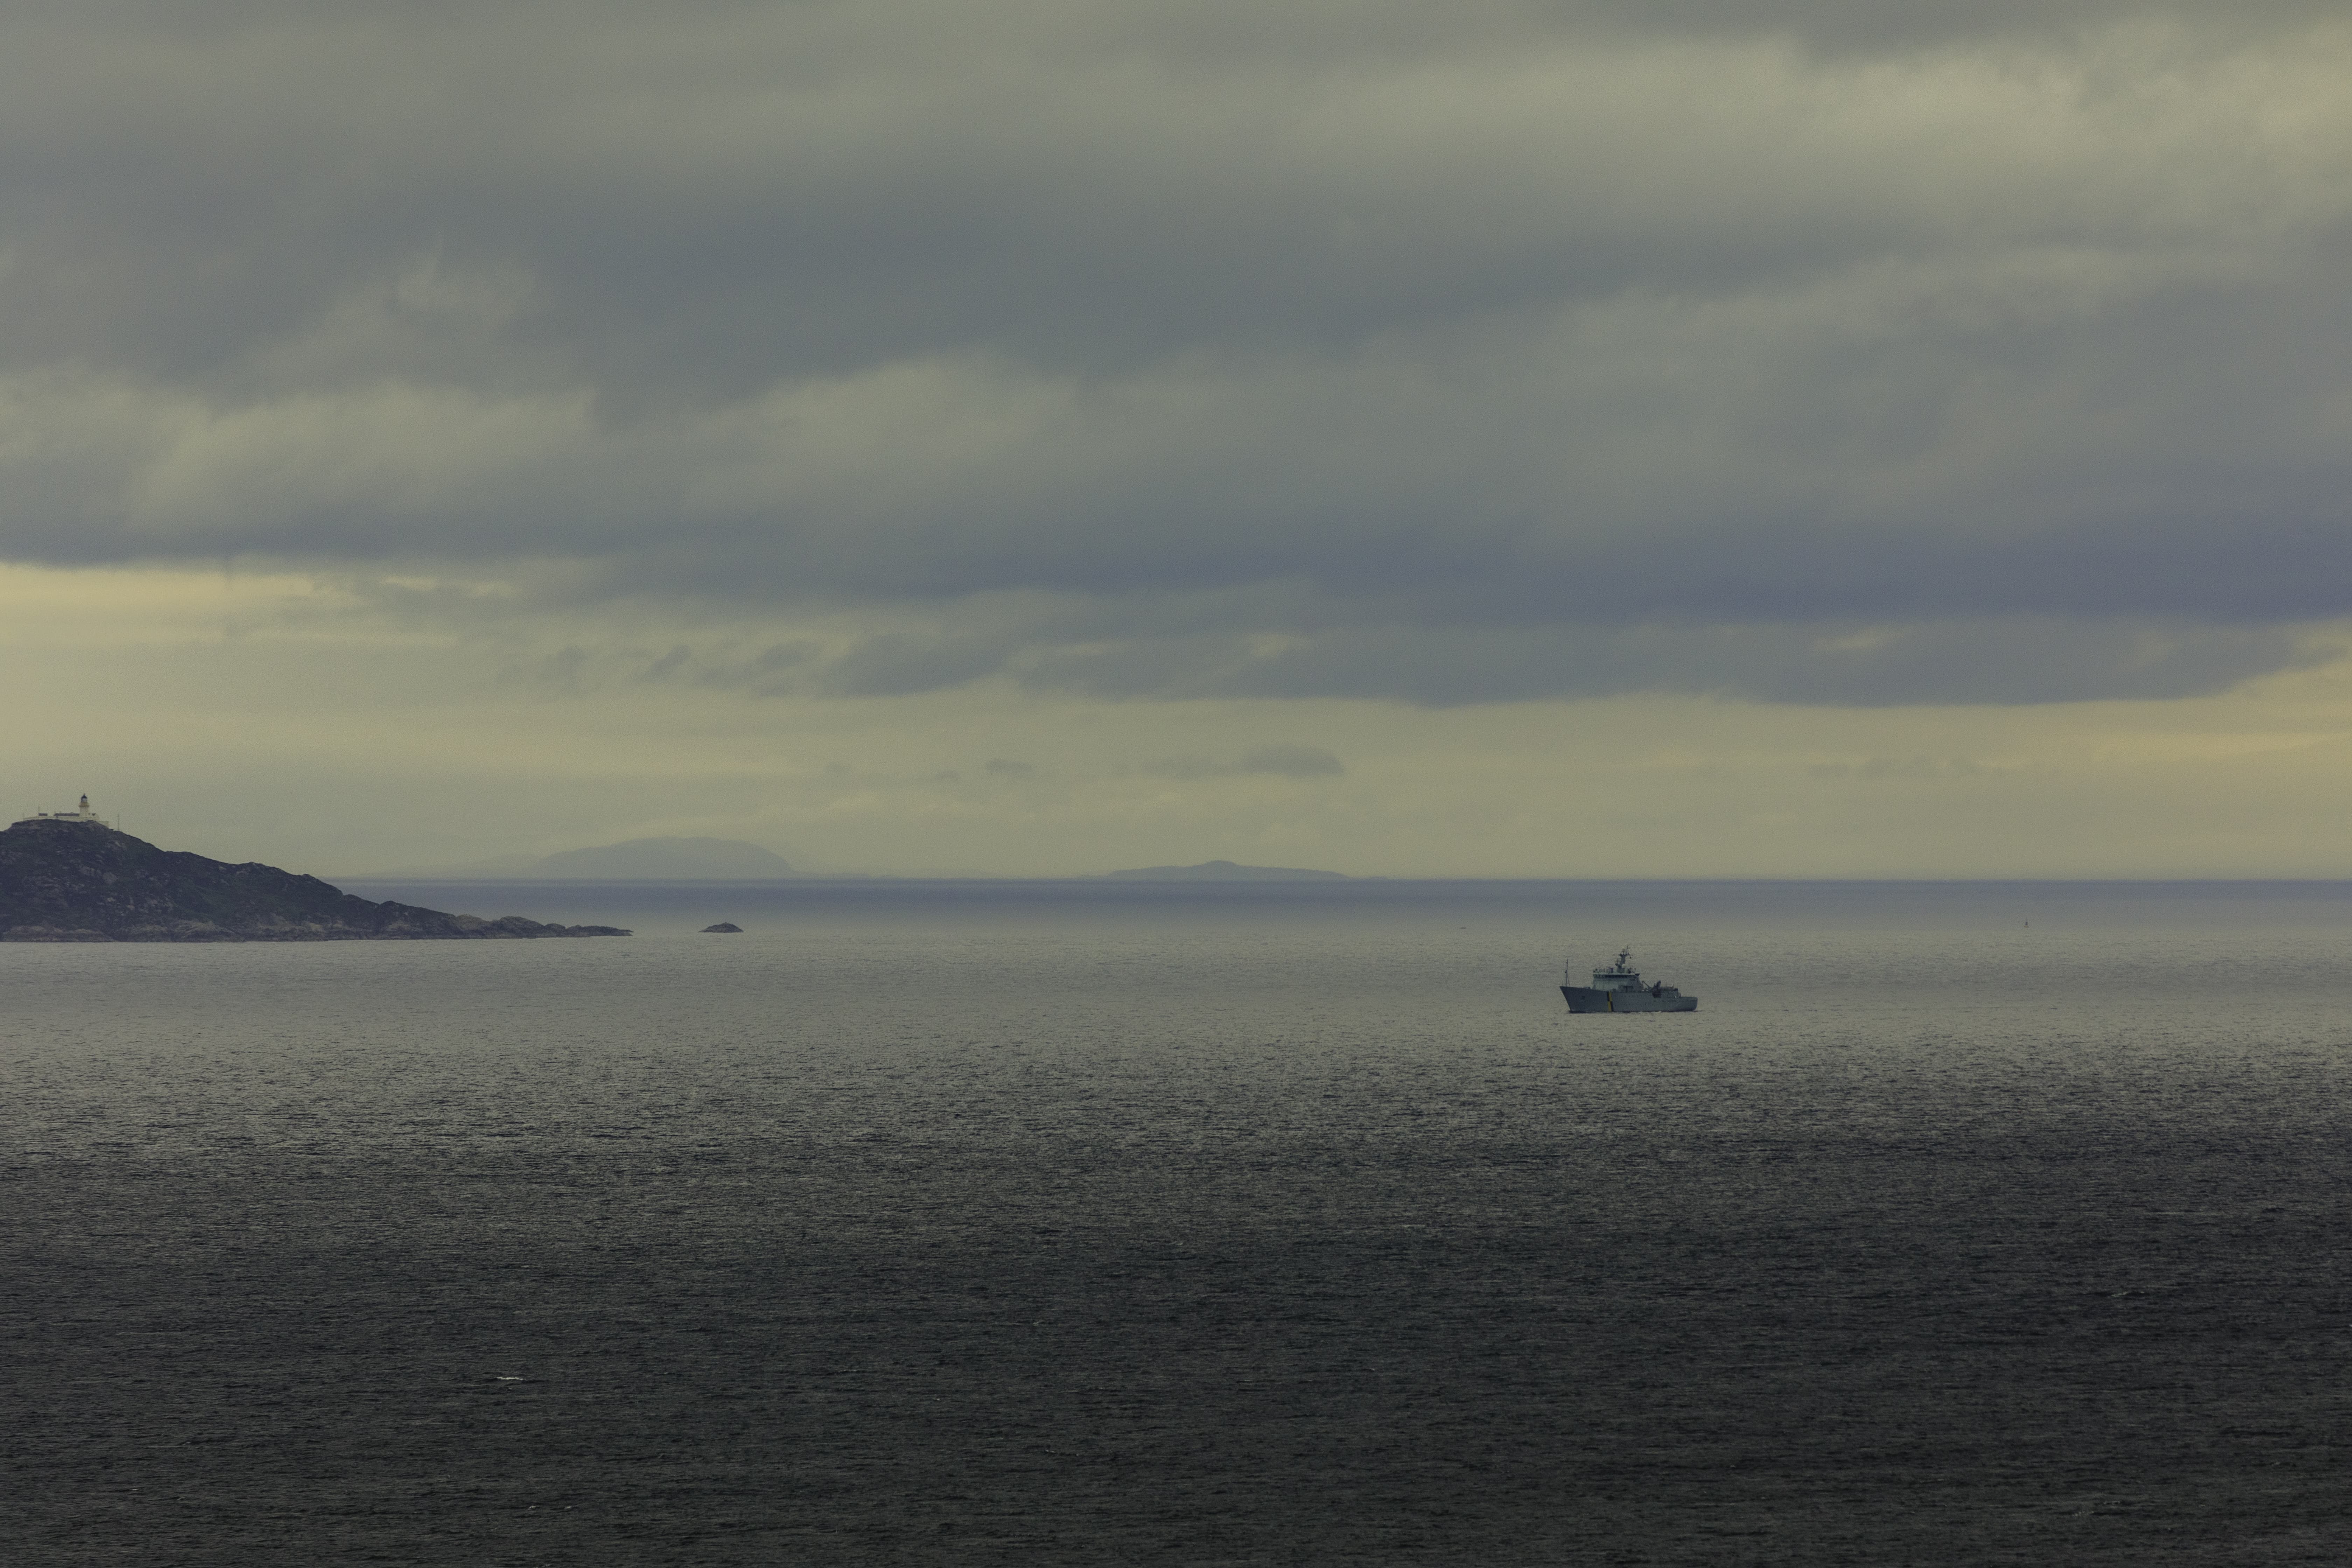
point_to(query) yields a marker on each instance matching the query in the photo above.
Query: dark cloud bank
(1813, 352)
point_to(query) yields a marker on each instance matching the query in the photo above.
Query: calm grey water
(1002, 1223)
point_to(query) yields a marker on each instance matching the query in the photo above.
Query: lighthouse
(81, 813)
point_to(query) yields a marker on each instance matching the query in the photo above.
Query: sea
(1100, 1222)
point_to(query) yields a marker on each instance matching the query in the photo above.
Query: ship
(1619, 989)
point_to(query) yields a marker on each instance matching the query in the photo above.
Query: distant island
(631, 860)
(69, 877)
(1223, 871)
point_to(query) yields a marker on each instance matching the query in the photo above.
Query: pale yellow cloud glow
(273, 717)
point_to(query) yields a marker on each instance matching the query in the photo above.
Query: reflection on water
(990, 1223)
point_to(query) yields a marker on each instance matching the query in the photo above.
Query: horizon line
(1338, 878)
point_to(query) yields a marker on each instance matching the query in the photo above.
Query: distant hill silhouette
(1223, 871)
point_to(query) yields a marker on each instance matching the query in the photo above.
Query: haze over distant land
(1790, 437)
(635, 859)
(1223, 871)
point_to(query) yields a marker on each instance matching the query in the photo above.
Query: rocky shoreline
(69, 881)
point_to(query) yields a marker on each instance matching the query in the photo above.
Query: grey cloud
(1929, 769)
(1292, 762)
(2010, 660)
(1295, 761)
(1841, 25)
(784, 667)
(2007, 661)
(1323, 349)
(892, 666)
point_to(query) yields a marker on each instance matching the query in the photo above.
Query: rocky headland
(67, 880)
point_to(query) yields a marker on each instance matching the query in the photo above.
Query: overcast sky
(1690, 436)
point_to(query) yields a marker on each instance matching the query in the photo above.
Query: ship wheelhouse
(1620, 976)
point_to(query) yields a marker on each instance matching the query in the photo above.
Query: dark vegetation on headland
(83, 881)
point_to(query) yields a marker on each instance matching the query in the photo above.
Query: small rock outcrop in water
(722, 927)
(64, 880)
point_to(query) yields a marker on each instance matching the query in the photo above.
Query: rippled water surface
(1005, 1224)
